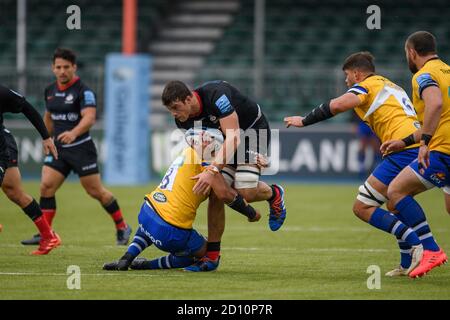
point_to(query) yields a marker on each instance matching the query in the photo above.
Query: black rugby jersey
(64, 103)
(219, 99)
(10, 101)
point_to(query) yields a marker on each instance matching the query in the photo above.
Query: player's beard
(412, 66)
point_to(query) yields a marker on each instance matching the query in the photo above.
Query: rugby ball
(197, 136)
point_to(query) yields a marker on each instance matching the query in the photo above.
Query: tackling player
(387, 110)
(431, 98)
(168, 213)
(70, 113)
(217, 104)
(10, 179)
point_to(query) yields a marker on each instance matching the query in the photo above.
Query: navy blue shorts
(392, 164)
(438, 172)
(166, 237)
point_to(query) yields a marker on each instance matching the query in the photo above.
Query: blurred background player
(431, 98)
(217, 104)
(10, 179)
(386, 108)
(70, 113)
(369, 145)
(167, 216)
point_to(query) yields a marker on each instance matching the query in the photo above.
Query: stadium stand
(198, 40)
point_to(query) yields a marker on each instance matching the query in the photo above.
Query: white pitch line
(84, 274)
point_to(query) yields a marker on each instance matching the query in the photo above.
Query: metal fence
(292, 90)
(39, 77)
(296, 89)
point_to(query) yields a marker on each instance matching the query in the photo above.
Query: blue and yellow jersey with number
(434, 73)
(385, 108)
(174, 199)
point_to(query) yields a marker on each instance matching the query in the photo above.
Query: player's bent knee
(228, 174)
(247, 177)
(248, 194)
(12, 193)
(369, 196)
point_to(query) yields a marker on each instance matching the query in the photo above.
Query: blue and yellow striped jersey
(434, 73)
(174, 199)
(385, 108)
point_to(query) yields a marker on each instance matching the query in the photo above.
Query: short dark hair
(360, 60)
(65, 54)
(423, 42)
(174, 91)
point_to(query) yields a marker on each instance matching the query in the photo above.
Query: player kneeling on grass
(167, 215)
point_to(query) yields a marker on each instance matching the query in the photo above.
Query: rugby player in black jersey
(70, 113)
(10, 179)
(217, 104)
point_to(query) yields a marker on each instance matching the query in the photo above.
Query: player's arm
(230, 127)
(325, 111)
(48, 122)
(432, 97)
(87, 121)
(36, 120)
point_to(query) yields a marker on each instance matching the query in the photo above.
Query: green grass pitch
(322, 252)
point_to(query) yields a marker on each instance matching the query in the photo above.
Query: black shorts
(256, 140)
(11, 153)
(82, 159)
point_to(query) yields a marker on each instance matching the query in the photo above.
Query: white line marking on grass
(86, 274)
(308, 250)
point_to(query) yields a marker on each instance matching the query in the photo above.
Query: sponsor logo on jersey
(72, 116)
(89, 98)
(60, 94)
(69, 99)
(160, 197)
(223, 104)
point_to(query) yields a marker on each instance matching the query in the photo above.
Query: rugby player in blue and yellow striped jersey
(431, 99)
(387, 110)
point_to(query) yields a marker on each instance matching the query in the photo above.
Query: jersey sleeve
(424, 81)
(10, 100)
(362, 91)
(87, 98)
(221, 102)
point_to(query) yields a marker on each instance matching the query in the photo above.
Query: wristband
(409, 140)
(426, 138)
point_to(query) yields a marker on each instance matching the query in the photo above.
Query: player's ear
(75, 67)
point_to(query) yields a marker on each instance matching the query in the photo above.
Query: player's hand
(203, 185)
(67, 137)
(261, 161)
(295, 121)
(49, 147)
(423, 158)
(392, 146)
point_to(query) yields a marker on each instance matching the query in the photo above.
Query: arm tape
(318, 114)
